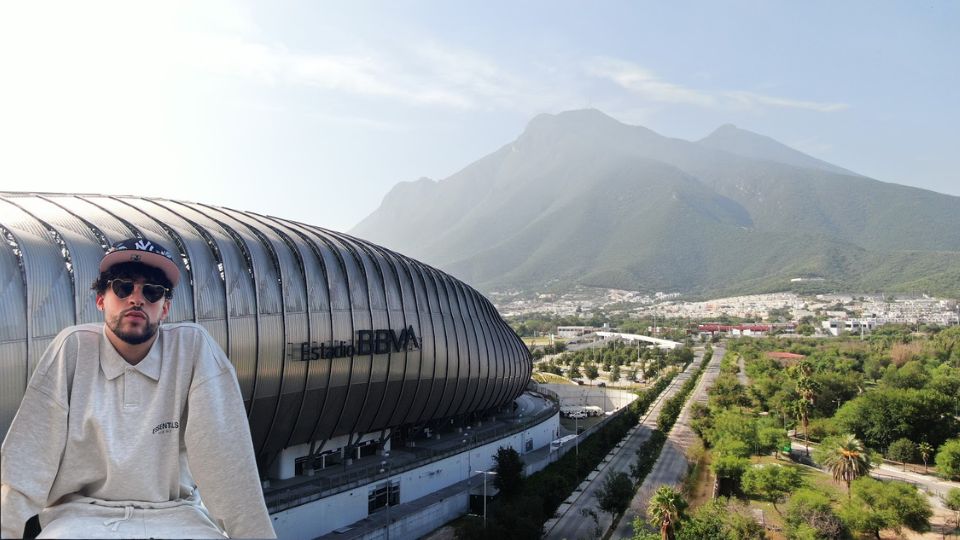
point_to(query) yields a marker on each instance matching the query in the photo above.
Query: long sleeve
(31, 452)
(221, 458)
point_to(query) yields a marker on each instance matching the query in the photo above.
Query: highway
(671, 466)
(571, 521)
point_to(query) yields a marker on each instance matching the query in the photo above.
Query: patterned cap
(142, 251)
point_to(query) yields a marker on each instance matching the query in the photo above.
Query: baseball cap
(142, 251)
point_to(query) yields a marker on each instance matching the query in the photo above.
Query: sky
(313, 111)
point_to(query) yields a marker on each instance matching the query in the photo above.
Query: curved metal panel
(466, 381)
(270, 347)
(296, 330)
(319, 330)
(50, 289)
(83, 246)
(390, 400)
(426, 391)
(380, 322)
(439, 397)
(13, 328)
(474, 337)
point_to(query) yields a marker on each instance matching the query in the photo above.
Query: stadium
(344, 350)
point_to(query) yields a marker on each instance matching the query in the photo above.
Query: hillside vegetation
(580, 198)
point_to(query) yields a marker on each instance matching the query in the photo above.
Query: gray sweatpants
(90, 520)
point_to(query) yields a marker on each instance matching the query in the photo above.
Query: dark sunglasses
(124, 288)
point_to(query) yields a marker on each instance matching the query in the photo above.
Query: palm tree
(801, 408)
(926, 450)
(807, 390)
(847, 460)
(665, 509)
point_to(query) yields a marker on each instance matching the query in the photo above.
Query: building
(343, 349)
(851, 326)
(575, 331)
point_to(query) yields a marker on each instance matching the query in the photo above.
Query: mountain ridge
(579, 197)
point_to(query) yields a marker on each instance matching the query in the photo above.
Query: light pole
(485, 473)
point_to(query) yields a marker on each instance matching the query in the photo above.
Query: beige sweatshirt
(92, 427)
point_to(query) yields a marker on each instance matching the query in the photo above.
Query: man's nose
(136, 297)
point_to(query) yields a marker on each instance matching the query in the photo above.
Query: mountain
(741, 142)
(581, 198)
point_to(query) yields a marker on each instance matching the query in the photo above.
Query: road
(671, 466)
(571, 523)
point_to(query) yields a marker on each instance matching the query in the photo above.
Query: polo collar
(113, 365)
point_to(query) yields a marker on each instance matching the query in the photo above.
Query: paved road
(671, 466)
(571, 523)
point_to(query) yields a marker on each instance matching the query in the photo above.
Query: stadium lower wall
(417, 485)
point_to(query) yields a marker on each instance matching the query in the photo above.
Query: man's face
(133, 319)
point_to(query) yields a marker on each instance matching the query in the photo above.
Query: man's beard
(134, 338)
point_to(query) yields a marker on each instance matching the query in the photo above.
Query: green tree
(615, 493)
(615, 373)
(948, 460)
(729, 468)
(845, 457)
(952, 501)
(591, 371)
(509, 469)
(719, 519)
(883, 415)
(771, 482)
(665, 511)
(902, 450)
(886, 505)
(810, 514)
(772, 439)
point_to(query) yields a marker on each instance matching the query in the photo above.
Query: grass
(541, 340)
(550, 378)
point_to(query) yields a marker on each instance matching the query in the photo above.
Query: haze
(313, 111)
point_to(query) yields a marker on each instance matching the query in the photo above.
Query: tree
(615, 493)
(591, 371)
(902, 450)
(952, 501)
(509, 469)
(806, 388)
(809, 514)
(665, 510)
(845, 457)
(615, 374)
(886, 505)
(729, 468)
(948, 460)
(720, 519)
(772, 439)
(925, 450)
(772, 482)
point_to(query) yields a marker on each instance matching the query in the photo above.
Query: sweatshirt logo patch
(166, 427)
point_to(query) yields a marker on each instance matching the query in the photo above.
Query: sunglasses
(124, 288)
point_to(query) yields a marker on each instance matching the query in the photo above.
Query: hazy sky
(314, 110)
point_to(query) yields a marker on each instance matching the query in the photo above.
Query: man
(122, 422)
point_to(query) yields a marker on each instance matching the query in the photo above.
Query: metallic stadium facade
(331, 336)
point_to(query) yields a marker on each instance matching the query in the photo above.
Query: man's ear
(166, 309)
(100, 302)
